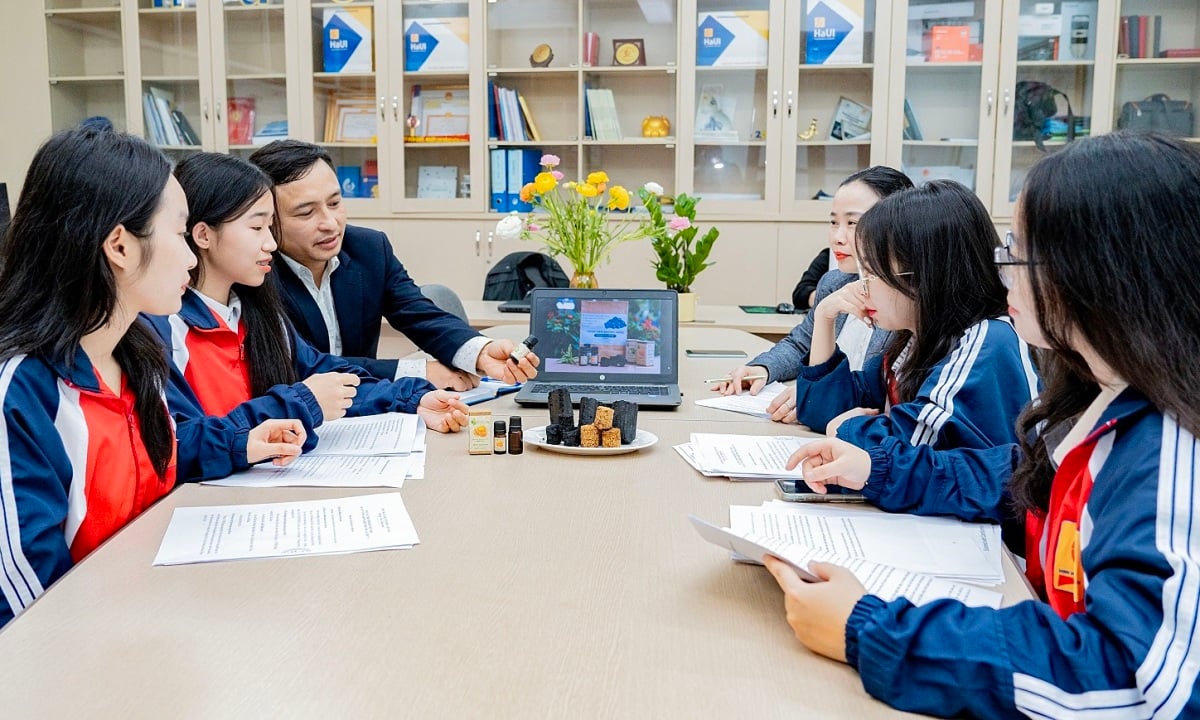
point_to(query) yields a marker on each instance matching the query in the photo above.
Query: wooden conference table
(544, 585)
(770, 326)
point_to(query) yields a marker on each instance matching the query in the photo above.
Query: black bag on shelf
(1037, 102)
(1161, 113)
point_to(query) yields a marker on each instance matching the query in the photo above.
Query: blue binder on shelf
(523, 166)
(499, 188)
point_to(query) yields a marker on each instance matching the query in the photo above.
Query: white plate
(537, 437)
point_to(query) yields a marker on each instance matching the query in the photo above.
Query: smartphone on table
(797, 491)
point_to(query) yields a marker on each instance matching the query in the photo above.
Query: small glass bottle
(516, 438)
(499, 438)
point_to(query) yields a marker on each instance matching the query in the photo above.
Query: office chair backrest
(445, 298)
(518, 273)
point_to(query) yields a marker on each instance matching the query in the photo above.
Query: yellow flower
(587, 190)
(618, 198)
(544, 182)
(597, 178)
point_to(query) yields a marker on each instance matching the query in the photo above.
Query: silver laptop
(606, 344)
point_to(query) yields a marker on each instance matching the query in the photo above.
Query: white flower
(509, 227)
(653, 188)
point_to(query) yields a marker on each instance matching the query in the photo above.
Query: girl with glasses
(97, 237)
(955, 374)
(232, 351)
(831, 319)
(1107, 473)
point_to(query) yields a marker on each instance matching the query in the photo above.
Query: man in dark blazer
(338, 280)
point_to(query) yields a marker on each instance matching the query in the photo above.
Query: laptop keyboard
(577, 390)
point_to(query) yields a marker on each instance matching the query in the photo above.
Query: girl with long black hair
(97, 237)
(232, 351)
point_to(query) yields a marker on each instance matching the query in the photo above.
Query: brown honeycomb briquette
(604, 418)
(611, 438)
(589, 436)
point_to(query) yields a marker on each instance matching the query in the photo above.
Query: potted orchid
(574, 219)
(680, 257)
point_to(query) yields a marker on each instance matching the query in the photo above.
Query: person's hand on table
(738, 380)
(783, 407)
(442, 411)
(334, 391)
(832, 462)
(449, 378)
(494, 362)
(832, 428)
(280, 441)
(818, 611)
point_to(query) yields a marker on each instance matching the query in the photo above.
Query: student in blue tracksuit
(827, 322)
(955, 374)
(232, 351)
(86, 443)
(1104, 232)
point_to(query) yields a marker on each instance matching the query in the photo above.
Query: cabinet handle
(789, 103)
(991, 101)
(382, 108)
(491, 241)
(205, 109)
(476, 243)
(1006, 98)
(774, 103)
(217, 110)
(396, 108)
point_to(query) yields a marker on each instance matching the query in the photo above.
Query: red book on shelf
(1142, 47)
(241, 120)
(1180, 53)
(1123, 37)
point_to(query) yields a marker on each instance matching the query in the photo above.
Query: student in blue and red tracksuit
(98, 236)
(955, 373)
(1104, 232)
(232, 351)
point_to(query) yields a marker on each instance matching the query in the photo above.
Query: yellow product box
(479, 432)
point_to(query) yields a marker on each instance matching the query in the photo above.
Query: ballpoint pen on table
(729, 379)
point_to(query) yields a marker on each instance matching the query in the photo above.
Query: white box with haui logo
(731, 38)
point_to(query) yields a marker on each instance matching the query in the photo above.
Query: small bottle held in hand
(523, 349)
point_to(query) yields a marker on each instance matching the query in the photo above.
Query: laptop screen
(606, 335)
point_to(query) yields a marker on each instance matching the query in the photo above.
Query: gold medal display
(628, 52)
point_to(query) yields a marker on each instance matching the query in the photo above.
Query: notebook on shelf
(606, 344)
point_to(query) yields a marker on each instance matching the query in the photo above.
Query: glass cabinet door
(174, 99)
(945, 58)
(250, 74)
(433, 102)
(835, 100)
(349, 102)
(735, 105)
(87, 64)
(1049, 94)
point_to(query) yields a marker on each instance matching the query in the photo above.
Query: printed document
(385, 434)
(327, 471)
(746, 403)
(886, 582)
(310, 527)
(747, 455)
(943, 547)
(688, 453)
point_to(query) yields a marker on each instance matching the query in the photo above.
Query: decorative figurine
(656, 126)
(541, 56)
(810, 133)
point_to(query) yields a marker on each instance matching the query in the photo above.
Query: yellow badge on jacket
(1068, 569)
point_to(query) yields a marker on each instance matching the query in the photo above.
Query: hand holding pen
(753, 375)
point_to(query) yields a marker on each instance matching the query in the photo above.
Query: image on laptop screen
(617, 336)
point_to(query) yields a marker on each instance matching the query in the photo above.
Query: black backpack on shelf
(1035, 102)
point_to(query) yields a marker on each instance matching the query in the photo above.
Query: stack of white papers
(742, 457)
(372, 451)
(942, 547)
(289, 529)
(746, 403)
(886, 582)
